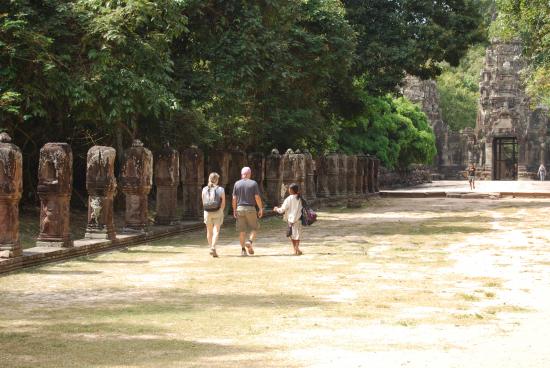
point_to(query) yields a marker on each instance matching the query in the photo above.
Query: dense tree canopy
(225, 73)
(458, 89)
(411, 36)
(529, 20)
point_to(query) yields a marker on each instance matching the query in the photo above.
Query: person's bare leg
(297, 250)
(215, 235)
(209, 234)
(242, 239)
(249, 241)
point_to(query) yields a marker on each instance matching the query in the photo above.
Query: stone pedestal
(333, 172)
(136, 179)
(311, 191)
(192, 180)
(167, 179)
(343, 174)
(351, 174)
(321, 170)
(11, 188)
(55, 178)
(101, 186)
(273, 178)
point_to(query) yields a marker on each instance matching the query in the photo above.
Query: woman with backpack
(292, 209)
(213, 202)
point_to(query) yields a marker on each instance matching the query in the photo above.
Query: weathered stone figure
(101, 186)
(351, 174)
(321, 169)
(333, 171)
(136, 179)
(343, 174)
(311, 192)
(167, 179)
(376, 171)
(360, 177)
(11, 188)
(55, 177)
(192, 180)
(370, 174)
(273, 178)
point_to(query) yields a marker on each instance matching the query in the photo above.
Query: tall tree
(529, 20)
(410, 36)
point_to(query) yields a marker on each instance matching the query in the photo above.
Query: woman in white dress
(292, 210)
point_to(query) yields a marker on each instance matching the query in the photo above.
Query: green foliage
(529, 21)
(224, 73)
(264, 73)
(458, 89)
(393, 129)
(411, 36)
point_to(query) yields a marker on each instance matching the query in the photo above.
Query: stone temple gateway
(511, 137)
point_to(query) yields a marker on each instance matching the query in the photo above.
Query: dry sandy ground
(398, 283)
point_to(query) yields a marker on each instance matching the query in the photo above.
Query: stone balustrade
(325, 177)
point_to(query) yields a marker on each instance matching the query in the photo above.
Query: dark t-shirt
(245, 190)
(472, 171)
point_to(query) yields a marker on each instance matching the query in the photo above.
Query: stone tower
(512, 136)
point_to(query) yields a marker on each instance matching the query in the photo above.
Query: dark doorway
(505, 158)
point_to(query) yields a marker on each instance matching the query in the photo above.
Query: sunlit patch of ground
(400, 282)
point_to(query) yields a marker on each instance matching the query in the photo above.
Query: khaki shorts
(214, 217)
(247, 219)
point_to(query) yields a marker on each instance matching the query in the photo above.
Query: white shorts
(296, 230)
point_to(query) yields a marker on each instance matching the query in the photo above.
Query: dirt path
(400, 283)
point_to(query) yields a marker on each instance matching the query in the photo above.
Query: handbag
(308, 215)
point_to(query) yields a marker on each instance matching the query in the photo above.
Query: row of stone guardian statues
(331, 176)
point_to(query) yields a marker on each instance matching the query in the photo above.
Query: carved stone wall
(101, 187)
(167, 179)
(55, 176)
(11, 189)
(136, 179)
(504, 111)
(452, 147)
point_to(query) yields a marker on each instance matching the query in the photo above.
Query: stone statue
(101, 185)
(11, 188)
(54, 189)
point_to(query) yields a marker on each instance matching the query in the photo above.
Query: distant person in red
(472, 176)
